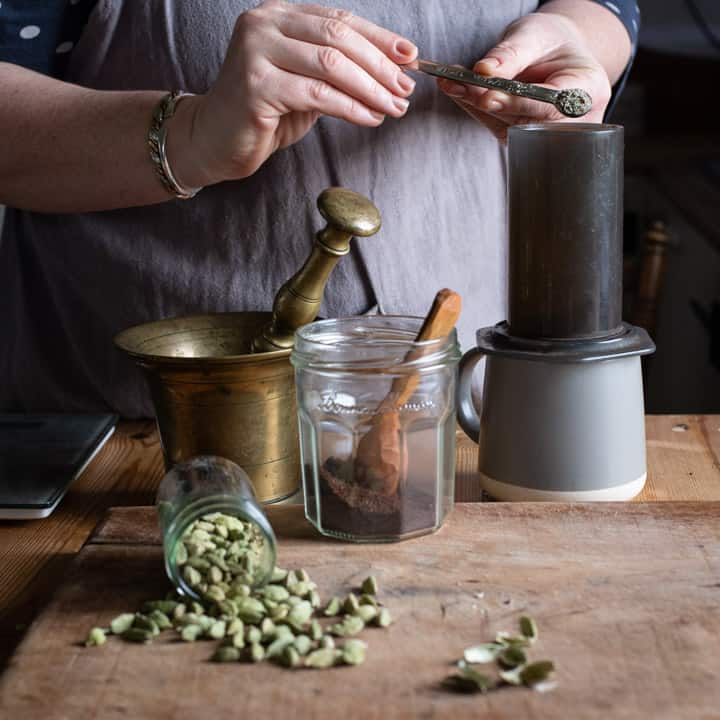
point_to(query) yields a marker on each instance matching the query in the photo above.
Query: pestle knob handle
(298, 301)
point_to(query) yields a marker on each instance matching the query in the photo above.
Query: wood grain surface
(627, 598)
(683, 464)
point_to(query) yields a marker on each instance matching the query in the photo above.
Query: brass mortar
(222, 384)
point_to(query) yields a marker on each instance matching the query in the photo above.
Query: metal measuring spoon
(571, 103)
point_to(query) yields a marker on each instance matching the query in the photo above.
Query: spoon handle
(558, 98)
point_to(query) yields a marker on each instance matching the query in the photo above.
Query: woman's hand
(287, 65)
(542, 48)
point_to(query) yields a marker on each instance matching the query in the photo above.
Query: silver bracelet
(157, 138)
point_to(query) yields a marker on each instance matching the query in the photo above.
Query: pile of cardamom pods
(283, 622)
(509, 653)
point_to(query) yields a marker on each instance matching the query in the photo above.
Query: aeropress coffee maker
(562, 414)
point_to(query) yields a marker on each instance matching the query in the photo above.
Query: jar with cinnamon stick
(376, 407)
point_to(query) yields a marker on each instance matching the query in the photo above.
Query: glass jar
(377, 426)
(201, 486)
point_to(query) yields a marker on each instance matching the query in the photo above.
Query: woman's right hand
(287, 65)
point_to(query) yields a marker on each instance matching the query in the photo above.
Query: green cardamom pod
(256, 652)
(276, 593)
(366, 612)
(300, 589)
(383, 618)
(366, 599)
(237, 640)
(505, 638)
(276, 647)
(528, 628)
(350, 625)
(160, 619)
(537, 672)
(96, 637)
(235, 627)
(511, 677)
(483, 653)
(332, 608)
(369, 586)
(353, 652)
(511, 657)
(215, 575)
(250, 610)
(190, 633)
(253, 634)
(167, 607)
(302, 575)
(300, 614)
(145, 623)
(179, 611)
(137, 635)
(226, 654)
(181, 554)
(122, 623)
(316, 631)
(280, 612)
(327, 642)
(217, 630)
(191, 576)
(303, 644)
(323, 658)
(279, 575)
(351, 603)
(314, 598)
(289, 657)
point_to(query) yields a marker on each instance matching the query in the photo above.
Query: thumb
(519, 49)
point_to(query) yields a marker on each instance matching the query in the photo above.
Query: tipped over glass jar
(214, 532)
(377, 426)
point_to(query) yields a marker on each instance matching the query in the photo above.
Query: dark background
(671, 113)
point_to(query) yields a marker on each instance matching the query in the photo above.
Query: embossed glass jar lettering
(377, 426)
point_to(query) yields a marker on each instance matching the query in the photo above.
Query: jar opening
(371, 342)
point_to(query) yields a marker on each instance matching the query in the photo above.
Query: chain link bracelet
(157, 138)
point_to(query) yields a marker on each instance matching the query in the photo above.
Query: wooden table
(683, 464)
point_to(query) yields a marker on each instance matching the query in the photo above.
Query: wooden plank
(627, 597)
(34, 553)
(681, 462)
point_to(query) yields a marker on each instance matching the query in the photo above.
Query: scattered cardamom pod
(383, 618)
(217, 630)
(353, 652)
(145, 623)
(512, 657)
(537, 672)
(95, 637)
(369, 586)
(351, 604)
(255, 652)
(327, 642)
(323, 658)
(190, 633)
(366, 613)
(137, 635)
(289, 657)
(122, 623)
(468, 680)
(528, 628)
(350, 625)
(483, 653)
(226, 653)
(160, 619)
(332, 608)
(316, 631)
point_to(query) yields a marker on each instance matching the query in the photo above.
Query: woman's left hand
(541, 48)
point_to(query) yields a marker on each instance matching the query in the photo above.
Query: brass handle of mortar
(297, 302)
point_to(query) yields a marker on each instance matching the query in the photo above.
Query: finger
(396, 47)
(297, 93)
(331, 66)
(519, 48)
(330, 32)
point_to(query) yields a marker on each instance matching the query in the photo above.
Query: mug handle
(467, 414)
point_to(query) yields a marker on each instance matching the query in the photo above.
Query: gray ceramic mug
(557, 431)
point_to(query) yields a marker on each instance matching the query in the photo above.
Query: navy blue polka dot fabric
(41, 34)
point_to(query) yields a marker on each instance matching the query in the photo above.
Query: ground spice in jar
(350, 508)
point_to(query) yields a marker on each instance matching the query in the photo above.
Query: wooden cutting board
(627, 598)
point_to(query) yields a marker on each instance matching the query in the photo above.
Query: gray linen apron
(71, 282)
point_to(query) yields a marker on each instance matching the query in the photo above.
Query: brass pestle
(297, 302)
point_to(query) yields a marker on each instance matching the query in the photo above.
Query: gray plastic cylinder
(565, 205)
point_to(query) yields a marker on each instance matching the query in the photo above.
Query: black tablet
(40, 455)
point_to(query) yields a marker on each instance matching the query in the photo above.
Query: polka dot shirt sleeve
(628, 12)
(41, 35)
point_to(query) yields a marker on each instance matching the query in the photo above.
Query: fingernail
(455, 89)
(495, 106)
(401, 104)
(406, 82)
(376, 115)
(403, 47)
(490, 63)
